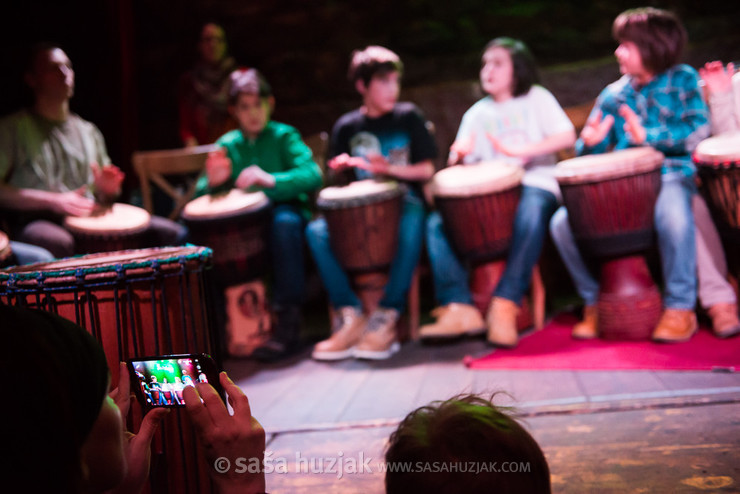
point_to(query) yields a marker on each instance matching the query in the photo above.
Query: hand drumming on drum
(717, 78)
(597, 128)
(108, 180)
(218, 170)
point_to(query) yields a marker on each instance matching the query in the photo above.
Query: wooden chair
(156, 166)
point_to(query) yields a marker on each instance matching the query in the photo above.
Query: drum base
(483, 280)
(630, 303)
(248, 318)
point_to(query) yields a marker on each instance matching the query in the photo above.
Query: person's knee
(559, 223)
(50, 236)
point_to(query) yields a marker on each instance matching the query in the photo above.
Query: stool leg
(413, 306)
(538, 298)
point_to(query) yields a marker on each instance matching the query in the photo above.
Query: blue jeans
(287, 251)
(674, 224)
(449, 274)
(530, 228)
(335, 278)
(23, 253)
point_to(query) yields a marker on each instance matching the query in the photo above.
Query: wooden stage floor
(627, 431)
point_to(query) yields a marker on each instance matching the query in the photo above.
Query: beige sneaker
(675, 325)
(501, 320)
(724, 320)
(379, 341)
(347, 327)
(453, 320)
(588, 328)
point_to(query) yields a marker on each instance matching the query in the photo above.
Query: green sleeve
(301, 173)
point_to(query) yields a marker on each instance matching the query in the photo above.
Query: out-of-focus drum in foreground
(136, 303)
(363, 219)
(236, 226)
(478, 204)
(117, 227)
(718, 163)
(611, 202)
(5, 250)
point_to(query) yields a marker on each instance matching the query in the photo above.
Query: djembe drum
(112, 228)
(363, 219)
(718, 164)
(478, 204)
(611, 205)
(136, 303)
(236, 226)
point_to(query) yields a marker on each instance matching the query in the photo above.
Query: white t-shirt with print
(525, 119)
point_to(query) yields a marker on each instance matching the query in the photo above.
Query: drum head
(597, 167)
(723, 148)
(108, 261)
(119, 218)
(473, 180)
(214, 206)
(358, 193)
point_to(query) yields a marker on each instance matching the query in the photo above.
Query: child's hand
(460, 149)
(717, 79)
(633, 125)
(344, 161)
(376, 163)
(596, 129)
(254, 176)
(108, 180)
(520, 152)
(218, 167)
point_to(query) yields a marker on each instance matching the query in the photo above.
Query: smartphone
(158, 381)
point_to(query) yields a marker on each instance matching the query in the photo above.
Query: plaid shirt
(671, 109)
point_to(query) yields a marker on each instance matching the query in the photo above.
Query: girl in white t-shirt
(518, 122)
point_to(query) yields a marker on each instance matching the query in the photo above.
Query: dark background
(128, 55)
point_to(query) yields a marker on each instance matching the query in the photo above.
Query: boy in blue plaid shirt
(656, 103)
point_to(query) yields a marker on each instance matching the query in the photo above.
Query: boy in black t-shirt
(381, 139)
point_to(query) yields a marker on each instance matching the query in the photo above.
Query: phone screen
(159, 381)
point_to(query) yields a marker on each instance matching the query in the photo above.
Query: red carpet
(553, 348)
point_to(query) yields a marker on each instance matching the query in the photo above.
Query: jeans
(23, 253)
(674, 225)
(335, 278)
(287, 252)
(530, 228)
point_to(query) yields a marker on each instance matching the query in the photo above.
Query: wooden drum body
(363, 220)
(718, 163)
(136, 303)
(236, 226)
(117, 227)
(478, 205)
(611, 205)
